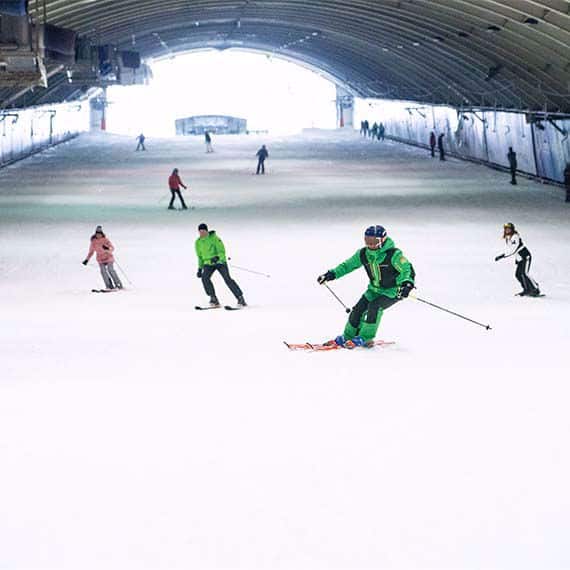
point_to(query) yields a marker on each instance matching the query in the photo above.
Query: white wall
(26, 131)
(485, 135)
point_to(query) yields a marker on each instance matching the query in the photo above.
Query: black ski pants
(371, 308)
(208, 271)
(528, 284)
(174, 194)
(513, 175)
(260, 166)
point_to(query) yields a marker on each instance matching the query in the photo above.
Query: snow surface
(136, 432)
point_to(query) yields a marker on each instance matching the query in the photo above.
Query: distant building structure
(216, 124)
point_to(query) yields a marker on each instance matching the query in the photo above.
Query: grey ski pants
(110, 276)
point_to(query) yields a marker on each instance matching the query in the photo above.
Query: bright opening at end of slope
(271, 94)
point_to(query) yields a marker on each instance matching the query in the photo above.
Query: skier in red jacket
(174, 183)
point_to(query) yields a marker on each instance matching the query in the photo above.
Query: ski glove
(328, 276)
(85, 261)
(499, 257)
(106, 247)
(405, 289)
(199, 274)
(215, 260)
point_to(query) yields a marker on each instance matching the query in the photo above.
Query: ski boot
(241, 301)
(214, 301)
(338, 341)
(358, 341)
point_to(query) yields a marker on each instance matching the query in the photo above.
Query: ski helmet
(509, 226)
(376, 231)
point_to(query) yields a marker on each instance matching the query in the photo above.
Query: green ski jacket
(387, 269)
(209, 247)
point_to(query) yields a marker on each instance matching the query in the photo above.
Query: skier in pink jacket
(103, 249)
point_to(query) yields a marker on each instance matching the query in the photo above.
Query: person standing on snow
(512, 158)
(381, 132)
(440, 147)
(174, 183)
(523, 259)
(374, 130)
(208, 140)
(567, 181)
(261, 154)
(432, 143)
(391, 278)
(141, 138)
(211, 255)
(103, 248)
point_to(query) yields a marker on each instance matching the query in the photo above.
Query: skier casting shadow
(174, 183)
(262, 155)
(391, 278)
(212, 257)
(523, 258)
(103, 248)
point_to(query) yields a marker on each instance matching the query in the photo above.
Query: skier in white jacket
(523, 258)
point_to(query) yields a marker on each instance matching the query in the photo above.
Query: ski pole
(337, 298)
(123, 272)
(487, 327)
(246, 269)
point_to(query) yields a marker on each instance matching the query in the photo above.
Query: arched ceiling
(508, 53)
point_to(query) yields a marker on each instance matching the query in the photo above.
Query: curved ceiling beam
(437, 51)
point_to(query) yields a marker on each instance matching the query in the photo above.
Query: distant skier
(432, 143)
(374, 130)
(212, 257)
(262, 155)
(381, 131)
(174, 183)
(208, 140)
(103, 248)
(366, 127)
(362, 128)
(440, 147)
(391, 278)
(523, 258)
(141, 138)
(512, 158)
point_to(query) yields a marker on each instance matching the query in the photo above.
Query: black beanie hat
(203, 227)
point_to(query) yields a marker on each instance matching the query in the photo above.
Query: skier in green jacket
(212, 257)
(391, 278)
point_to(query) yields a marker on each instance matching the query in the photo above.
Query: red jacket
(432, 140)
(174, 182)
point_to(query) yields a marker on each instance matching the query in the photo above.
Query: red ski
(319, 347)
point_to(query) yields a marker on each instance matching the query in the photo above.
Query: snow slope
(136, 432)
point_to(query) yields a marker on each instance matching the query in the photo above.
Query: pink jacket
(102, 255)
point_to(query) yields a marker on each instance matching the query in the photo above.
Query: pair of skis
(104, 290)
(322, 347)
(226, 307)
